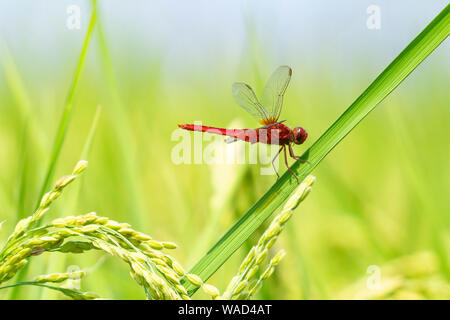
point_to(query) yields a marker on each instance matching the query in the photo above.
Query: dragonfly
(267, 111)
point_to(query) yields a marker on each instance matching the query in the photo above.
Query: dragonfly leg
(273, 162)
(287, 164)
(293, 156)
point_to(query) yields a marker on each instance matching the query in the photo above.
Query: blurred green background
(381, 197)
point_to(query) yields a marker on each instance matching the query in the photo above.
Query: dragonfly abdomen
(235, 133)
(279, 135)
(214, 130)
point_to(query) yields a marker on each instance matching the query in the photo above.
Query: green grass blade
(64, 123)
(428, 40)
(121, 121)
(24, 159)
(19, 92)
(88, 144)
(71, 202)
(31, 130)
(62, 129)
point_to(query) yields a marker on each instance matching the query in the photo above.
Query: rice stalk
(246, 282)
(59, 277)
(65, 119)
(157, 272)
(71, 293)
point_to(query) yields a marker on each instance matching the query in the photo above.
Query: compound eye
(300, 135)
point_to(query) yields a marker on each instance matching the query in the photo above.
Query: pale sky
(192, 33)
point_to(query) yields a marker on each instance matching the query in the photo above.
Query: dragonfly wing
(246, 98)
(272, 96)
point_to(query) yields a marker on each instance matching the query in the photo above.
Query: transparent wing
(246, 98)
(272, 95)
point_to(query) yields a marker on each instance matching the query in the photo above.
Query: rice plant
(159, 274)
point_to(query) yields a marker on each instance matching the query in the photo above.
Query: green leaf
(71, 293)
(63, 126)
(65, 119)
(428, 40)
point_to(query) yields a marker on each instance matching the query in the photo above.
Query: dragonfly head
(300, 135)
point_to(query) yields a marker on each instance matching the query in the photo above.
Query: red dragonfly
(267, 111)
